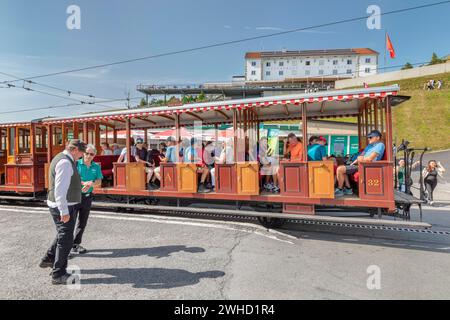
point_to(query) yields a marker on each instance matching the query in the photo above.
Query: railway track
(255, 217)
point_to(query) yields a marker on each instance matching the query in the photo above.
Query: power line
(137, 98)
(69, 92)
(67, 105)
(46, 93)
(226, 43)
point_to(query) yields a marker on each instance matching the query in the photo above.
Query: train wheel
(271, 223)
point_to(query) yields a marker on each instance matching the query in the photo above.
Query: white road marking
(170, 220)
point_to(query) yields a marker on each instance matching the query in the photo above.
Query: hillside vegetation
(424, 120)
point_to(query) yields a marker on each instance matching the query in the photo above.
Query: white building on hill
(302, 65)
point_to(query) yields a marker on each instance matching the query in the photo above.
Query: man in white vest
(64, 194)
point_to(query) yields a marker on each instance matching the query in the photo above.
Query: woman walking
(430, 175)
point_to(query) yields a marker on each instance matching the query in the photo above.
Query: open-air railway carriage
(304, 184)
(23, 154)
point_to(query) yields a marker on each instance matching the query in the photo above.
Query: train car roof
(327, 104)
(20, 123)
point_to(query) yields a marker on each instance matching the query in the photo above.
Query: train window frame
(40, 138)
(24, 140)
(3, 139)
(57, 132)
(12, 142)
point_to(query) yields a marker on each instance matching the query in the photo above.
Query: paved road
(155, 257)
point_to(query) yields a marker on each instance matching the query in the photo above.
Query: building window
(280, 73)
(281, 64)
(253, 73)
(368, 60)
(349, 71)
(349, 61)
(321, 72)
(367, 70)
(294, 63)
(267, 73)
(267, 64)
(335, 62)
(321, 62)
(335, 72)
(308, 63)
(253, 63)
(307, 72)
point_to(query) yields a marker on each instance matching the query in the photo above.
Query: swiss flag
(389, 46)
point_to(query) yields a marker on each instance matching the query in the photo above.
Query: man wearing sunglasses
(91, 176)
(374, 151)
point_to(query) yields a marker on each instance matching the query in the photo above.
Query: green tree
(201, 97)
(435, 59)
(143, 102)
(407, 66)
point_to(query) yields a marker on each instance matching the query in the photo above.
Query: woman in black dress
(430, 175)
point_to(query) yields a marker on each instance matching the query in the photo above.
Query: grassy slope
(424, 120)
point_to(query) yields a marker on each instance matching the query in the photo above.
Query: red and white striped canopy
(328, 97)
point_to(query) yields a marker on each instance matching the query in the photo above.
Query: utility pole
(127, 95)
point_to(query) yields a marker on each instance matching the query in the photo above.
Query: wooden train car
(304, 184)
(23, 155)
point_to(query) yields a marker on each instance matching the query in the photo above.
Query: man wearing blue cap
(373, 152)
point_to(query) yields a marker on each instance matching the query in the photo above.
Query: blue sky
(35, 40)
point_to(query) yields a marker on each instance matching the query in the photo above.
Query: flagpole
(385, 49)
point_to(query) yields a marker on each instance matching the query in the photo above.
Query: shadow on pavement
(157, 252)
(149, 278)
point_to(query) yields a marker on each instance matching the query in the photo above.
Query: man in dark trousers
(64, 195)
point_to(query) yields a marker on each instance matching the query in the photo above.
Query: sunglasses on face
(90, 154)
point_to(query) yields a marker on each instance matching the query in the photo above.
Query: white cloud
(270, 28)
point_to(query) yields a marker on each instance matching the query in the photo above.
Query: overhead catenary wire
(136, 98)
(68, 105)
(80, 102)
(69, 92)
(226, 43)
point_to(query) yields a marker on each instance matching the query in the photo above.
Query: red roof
(326, 52)
(365, 51)
(253, 55)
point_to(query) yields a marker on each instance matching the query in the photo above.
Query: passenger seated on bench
(294, 150)
(116, 149)
(192, 154)
(373, 152)
(269, 166)
(106, 151)
(141, 156)
(226, 157)
(165, 156)
(316, 149)
(123, 154)
(153, 159)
